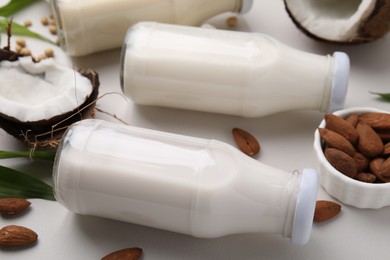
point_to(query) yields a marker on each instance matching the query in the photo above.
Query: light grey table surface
(286, 140)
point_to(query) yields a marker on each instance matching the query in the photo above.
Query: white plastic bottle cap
(340, 81)
(304, 209)
(246, 6)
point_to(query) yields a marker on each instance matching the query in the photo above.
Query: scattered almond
(13, 235)
(246, 142)
(325, 210)
(125, 254)
(10, 206)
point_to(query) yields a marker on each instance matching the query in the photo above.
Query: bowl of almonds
(353, 151)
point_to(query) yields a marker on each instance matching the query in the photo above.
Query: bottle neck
(257, 199)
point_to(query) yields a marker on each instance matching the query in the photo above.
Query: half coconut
(39, 100)
(347, 21)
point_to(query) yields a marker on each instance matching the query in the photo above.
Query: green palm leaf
(15, 184)
(14, 6)
(21, 30)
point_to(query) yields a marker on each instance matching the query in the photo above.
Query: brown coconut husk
(373, 28)
(47, 133)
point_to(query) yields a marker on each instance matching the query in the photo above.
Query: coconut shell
(374, 27)
(48, 132)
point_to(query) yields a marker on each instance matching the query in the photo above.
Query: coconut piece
(348, 21)
(39, 100)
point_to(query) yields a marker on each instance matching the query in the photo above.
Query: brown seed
(12, 206)
(365, 177)
(341, 162)
(25, 52)
(246, 142)
(369, 143)
(27, 23)
(49, 53)
(376, 120)
(21, 42)
(326, 210)
(342, 127)
(125, 254)
(335, 140)
(44, 21)
(232, 21)
(362, 161)
(53, 29)
(17, 236)
(353, 119)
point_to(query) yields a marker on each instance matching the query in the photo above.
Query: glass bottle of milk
(228, 72)
(90, 26)
(204, 188)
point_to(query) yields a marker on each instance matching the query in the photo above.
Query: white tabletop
(286, 140)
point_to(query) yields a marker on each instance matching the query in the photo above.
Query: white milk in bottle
(228, 72)
(204, 188)
(88, 26)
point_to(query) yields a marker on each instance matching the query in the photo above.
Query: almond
(246, 142)
(365, 177)
(341, 162)
(326, 210)
(376, 120)
(362, 161)
(125, 254)
(385, 168)
(17, 236)
(335, 140)
(12, 206)
(384, 134)
(386, 150)
(353, 119)
(342, 127)
(376, 166)
(369, 143)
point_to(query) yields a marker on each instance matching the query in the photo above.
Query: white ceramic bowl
(346, 190)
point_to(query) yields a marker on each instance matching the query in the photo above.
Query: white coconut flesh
(333, 20)
(31, 92)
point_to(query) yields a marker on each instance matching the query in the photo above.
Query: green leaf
(15, 184)
(385, 96)
(14, 6)
(45, 155)
(21, 30)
